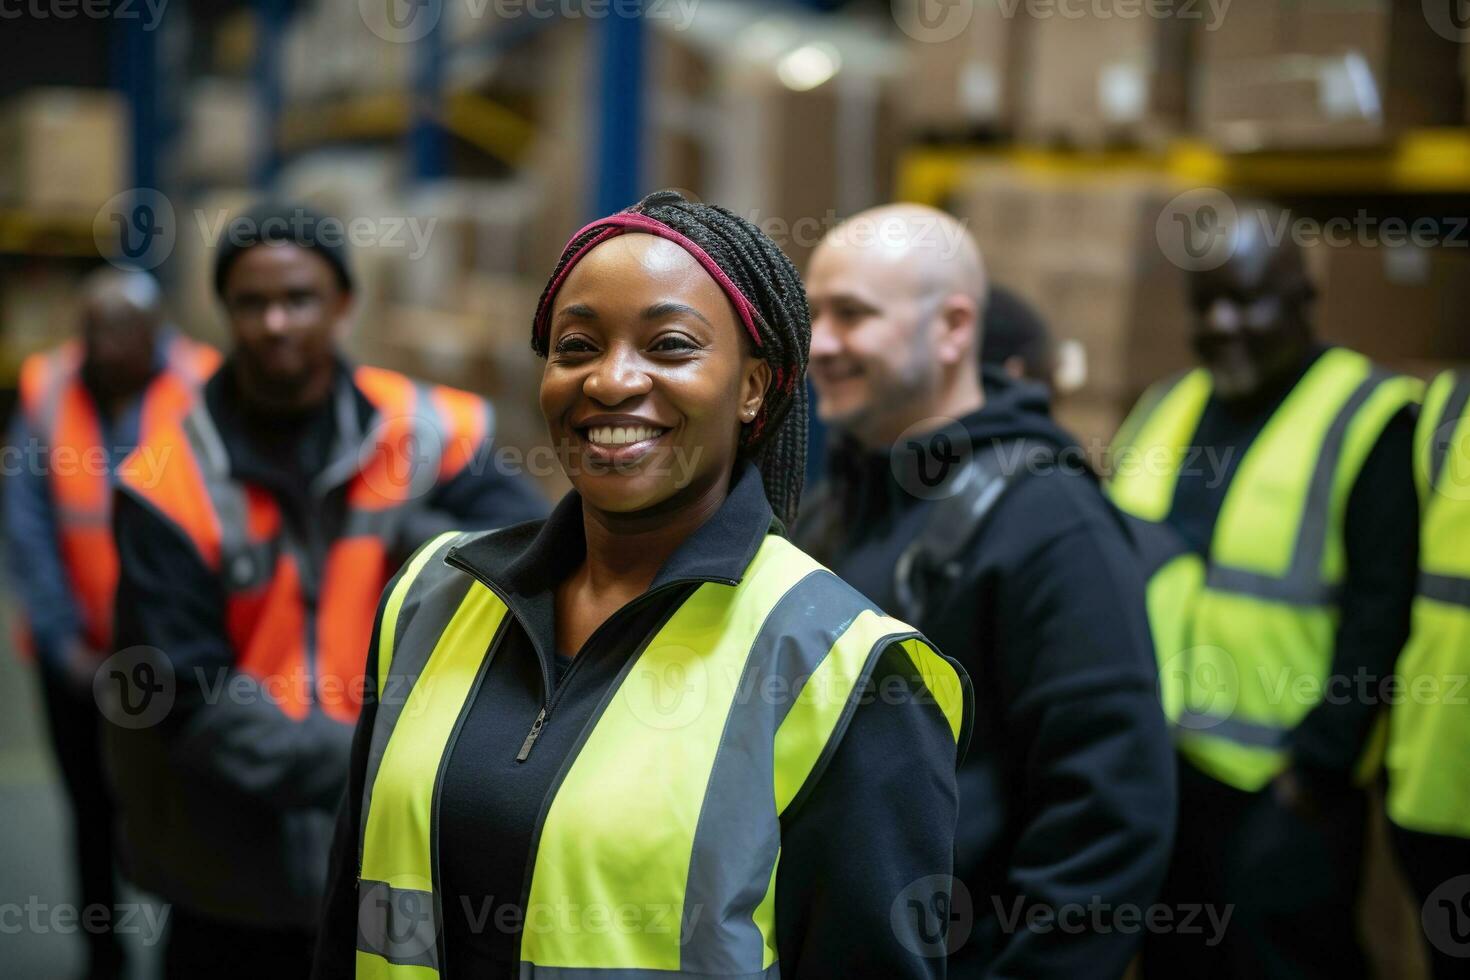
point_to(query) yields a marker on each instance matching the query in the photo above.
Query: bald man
(1285, 466)
(952, 499)
(83, 407)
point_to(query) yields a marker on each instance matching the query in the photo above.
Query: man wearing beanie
(252, 553)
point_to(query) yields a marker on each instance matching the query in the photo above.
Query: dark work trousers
(74, 723)
(1290, 886)
(199, 946)
(1432, 863)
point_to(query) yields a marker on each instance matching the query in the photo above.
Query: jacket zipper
(552, 695)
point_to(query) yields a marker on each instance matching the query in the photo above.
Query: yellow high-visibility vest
(1252, 655)
(1428, 757)
(687, 768)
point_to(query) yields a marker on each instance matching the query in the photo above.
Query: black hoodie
(1067, 795)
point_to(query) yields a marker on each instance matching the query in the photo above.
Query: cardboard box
(1397, 304)
(969, 83)
(464, 349)
(38, 309)
(797, 162)
(1095, 77)
(63, 149)
(1084, 252)
(1323, 73)
(222, 128)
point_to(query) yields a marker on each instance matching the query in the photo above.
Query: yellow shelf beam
(1426, 161)
(55, 235)
(476, 119)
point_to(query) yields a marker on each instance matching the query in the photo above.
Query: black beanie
(282, 221)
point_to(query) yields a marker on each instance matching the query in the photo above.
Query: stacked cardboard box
(1097, 75)
(1324, 73)
(63, 150)
(968, 83)
(1084, 251)
(38, 309)
(221, 132)
(795, 161)
(1403, 305)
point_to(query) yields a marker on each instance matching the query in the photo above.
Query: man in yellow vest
(1285, 465)
(83, 407)
(1428, 757)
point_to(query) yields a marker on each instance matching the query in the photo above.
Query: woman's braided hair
(775, 441)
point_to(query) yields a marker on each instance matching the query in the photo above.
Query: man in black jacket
(961, 505)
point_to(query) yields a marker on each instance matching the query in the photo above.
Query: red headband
(623, 223)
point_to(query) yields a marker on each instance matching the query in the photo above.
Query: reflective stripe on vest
(1428, 757)
(65, 419)
(302, 636)
(729, 710)
(1261, 634)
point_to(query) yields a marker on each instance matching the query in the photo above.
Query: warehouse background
(468, 138)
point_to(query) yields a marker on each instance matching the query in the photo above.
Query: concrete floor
(35, 854)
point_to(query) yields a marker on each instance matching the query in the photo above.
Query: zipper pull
(532, 735)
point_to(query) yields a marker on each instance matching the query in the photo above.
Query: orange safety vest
(64, 417)
(304, 641)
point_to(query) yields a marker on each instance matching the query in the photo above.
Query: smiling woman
(630, 740)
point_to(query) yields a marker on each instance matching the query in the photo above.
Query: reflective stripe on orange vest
(305, 639)
(65, 418)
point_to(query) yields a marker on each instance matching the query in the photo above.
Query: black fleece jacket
(878, 820)
(1067, 795)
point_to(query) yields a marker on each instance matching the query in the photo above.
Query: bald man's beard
(892, 399)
